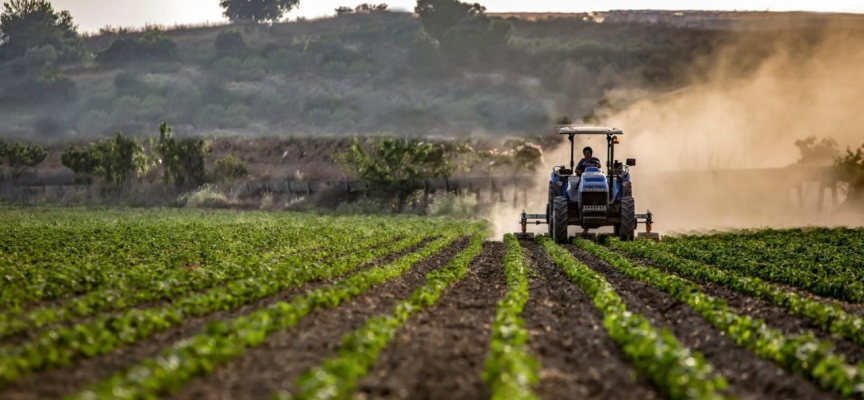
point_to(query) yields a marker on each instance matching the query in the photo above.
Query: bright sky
(94, 14)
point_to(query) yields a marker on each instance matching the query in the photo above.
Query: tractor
(591, 199)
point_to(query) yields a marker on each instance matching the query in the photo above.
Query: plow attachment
(526, 219)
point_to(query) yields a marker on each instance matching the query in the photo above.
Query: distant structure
(709, 20)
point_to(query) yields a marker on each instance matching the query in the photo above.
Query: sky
(90, 15)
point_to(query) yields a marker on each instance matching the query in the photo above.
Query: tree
(395, 167)
(367, 8)
(850, 167)
(465, 33)
(27, 24)
(153, 45)
(115, 160)
(231, 44)
(438, 16)
(257, 10)
(20, 157)
(817, 152)
(184, 160)
(82, 161)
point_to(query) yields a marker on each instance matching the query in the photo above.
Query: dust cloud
(689, 143)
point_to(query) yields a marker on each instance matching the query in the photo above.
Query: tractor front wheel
(627, 230)
(559, 219)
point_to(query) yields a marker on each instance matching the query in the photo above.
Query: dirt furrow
(74, 377)
(439, 353)
(275, 364)
(775, 316)
(577, 357)
(749, 376)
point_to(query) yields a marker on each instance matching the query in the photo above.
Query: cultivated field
(215, 305)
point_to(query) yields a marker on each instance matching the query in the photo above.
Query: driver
(588, 161)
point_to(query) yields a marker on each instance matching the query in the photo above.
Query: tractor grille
(595, 199)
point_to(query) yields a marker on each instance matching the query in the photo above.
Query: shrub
(231, 44)
(363, 206)
(152, 46)
(451, 205)
(48, 88)
(37, 58)
(230, 168)
(207, 196)
(250, 69)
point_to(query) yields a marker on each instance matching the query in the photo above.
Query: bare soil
(439, 353)
(577, 357)
(749, 376)
(273, 366)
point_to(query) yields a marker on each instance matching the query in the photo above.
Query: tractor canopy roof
(588, 130)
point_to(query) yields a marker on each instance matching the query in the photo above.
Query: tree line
(116, 161)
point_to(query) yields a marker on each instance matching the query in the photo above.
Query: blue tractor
(591, 198)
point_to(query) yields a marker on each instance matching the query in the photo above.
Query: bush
(230, 168)
(207, 196)
(451, 205)
(48, 88)
(128, 84)
(39, 57)
(250, 69)
(363, 206)
(231, 44)
(152, 46)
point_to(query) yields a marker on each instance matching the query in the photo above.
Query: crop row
(336, 378)
(130, 256)
(510, 370)
(656, 353)
(158, 286)
(801, 353)
(60, 346)
(223, 341)
(827, 316)
(792, 259)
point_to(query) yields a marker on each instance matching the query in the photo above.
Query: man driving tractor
(588, 160)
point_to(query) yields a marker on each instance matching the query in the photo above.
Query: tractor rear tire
(559, 220)
(627, 230)
(549, 216)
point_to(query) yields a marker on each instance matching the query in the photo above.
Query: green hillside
(358, 73)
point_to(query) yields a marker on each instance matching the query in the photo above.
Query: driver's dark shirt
(582, 162)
